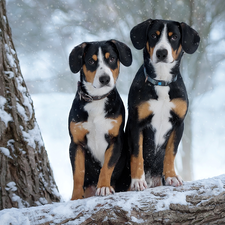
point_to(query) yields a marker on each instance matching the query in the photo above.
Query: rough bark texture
(26, 178)
(198, 202)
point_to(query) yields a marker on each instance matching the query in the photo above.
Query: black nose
(161, 54)
(104, 79)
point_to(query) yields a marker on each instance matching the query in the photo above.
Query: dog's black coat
(97, 97)
(164, 43)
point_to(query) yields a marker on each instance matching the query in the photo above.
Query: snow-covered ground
(152, 199)
(209, 136)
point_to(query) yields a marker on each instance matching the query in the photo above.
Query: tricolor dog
(158, 102)
(96, 119)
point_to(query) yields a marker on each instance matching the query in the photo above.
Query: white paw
(138, 185)
(174, 181)
(104, 191)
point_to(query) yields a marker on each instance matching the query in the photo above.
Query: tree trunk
(26, 178)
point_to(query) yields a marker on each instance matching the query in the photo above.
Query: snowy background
(44, 33)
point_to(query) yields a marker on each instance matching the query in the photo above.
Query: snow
(32, 136)
(83, 209)
(20, 201)
(9, 55)
(5, 151)
(11, 186)
(21, 111)
(26, 99)
(4, 116)
(9, 73)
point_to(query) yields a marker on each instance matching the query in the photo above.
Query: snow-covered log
(196, 202)
(26, 178)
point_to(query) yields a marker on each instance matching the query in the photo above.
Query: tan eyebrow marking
(95, 57)
(107, 55)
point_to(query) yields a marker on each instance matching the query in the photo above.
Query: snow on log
(196, 202)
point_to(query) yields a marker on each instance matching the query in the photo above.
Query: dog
(158, 102)
(96, 119)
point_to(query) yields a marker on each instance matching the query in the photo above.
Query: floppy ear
(76, 57)
(139, 34)
(124, 51)
(190, 39)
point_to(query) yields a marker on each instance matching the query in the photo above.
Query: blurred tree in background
(44, 33)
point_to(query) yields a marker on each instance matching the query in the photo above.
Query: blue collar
(158, 82)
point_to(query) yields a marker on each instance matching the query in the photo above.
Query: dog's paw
(174, 181)
(138, 185)
(104, 191)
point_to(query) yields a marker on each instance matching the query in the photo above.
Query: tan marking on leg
(175, 53)
(170, 34)
(143, 110)
(107, 55)
(95, 57)
(180, 107)
(116, 71)
(89, 191)
(78, 132)
(116, 126)
(137, 163)
(106, 171)
(88, 74)
(168, 163)
(78, 175)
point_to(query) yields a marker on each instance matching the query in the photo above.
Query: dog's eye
(174, 37)
(91, 61)
(154, 36)
(111, 59)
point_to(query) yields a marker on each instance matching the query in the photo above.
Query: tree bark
(199, 202)
(26, 178)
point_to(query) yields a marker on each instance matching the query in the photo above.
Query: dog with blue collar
(158, 102)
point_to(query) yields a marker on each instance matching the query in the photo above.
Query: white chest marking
(161, 114)
(98, 126)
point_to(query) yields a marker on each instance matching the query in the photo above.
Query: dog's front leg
(78, 174)
(138, 182)
(171, 178)
(104, 182)
(77, 158)
(112, 155)
(135, 142)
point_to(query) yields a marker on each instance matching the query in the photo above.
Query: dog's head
(164, 40)
(100, 62)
